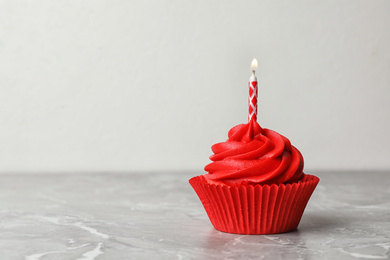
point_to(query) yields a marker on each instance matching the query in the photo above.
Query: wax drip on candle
(252, 100)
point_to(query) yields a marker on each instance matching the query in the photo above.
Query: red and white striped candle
(253, 93)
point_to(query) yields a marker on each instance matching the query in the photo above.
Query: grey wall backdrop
(151, 85)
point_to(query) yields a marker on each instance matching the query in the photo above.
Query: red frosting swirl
(255, 155)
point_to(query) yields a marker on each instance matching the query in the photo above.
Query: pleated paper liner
(255, 209)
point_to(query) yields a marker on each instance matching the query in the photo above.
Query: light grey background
(151, 85)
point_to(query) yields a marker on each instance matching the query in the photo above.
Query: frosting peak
(255, 155)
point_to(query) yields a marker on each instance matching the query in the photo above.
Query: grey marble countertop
(158, 216)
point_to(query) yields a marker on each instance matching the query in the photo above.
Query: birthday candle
(253, 93)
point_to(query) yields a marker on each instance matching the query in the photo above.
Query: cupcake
(255, 183)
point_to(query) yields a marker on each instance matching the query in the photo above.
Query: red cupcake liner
(255, 209)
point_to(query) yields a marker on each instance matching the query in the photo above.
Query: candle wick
(253, 72)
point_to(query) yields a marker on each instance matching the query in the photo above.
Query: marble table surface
(158, 216)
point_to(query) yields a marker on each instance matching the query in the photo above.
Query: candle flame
(254, 64)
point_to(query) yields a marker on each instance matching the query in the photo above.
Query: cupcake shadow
(317, 221)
